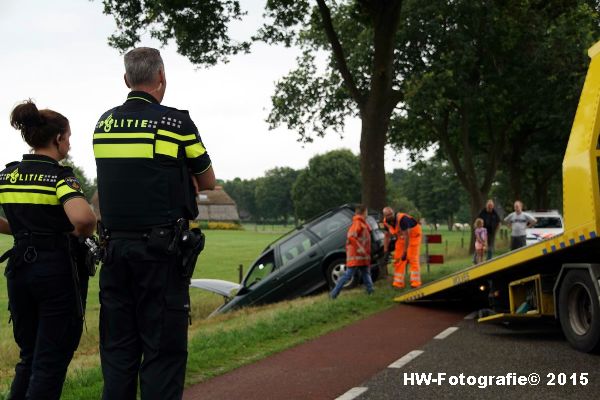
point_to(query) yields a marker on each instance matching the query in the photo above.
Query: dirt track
(328, 366)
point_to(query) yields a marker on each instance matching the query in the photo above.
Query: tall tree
(274, 193)
(358, 38)
(359, 78)
(329, 180)
(477, 73)
(537, 145)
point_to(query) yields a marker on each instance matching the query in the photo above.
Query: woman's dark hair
(38, 127)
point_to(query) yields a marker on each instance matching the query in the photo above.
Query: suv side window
(293, 247)
(261, 269)
(330, 224)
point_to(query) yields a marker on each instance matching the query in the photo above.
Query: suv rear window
(331, 223)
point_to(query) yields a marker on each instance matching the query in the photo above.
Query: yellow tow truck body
(559, 276)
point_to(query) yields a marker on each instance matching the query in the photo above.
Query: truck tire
(335, 270)
(579, 311)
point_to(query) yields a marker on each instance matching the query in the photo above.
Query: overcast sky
(56, 53)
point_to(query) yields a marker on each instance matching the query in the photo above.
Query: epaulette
(10, 164)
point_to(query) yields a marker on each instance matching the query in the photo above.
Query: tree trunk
(450, 221)
(375, 106)
(372, 148)
(514, 173)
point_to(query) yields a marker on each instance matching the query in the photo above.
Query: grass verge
(221, 344)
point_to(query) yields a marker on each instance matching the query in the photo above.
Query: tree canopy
(200, 29)
(273, 194)
(488, 80)
(329, 180)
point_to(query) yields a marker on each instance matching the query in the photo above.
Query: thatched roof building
(213, 205)
(216, 205)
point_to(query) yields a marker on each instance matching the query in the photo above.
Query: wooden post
(427, 251)
(241, 273)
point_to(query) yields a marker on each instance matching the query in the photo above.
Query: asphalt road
(476, 350)
(323, 368)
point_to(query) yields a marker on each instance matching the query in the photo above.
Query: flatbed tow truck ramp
(559, 277)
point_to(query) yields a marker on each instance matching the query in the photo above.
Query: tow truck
(558, 277)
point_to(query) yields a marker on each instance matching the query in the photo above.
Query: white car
(549, 224)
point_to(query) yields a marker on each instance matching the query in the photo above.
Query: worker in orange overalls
(408, 246)
(358, 252)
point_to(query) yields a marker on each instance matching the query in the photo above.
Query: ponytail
(38, 127)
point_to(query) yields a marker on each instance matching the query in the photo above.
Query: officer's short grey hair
(142, 65)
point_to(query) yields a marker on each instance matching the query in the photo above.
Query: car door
(300, 264)
(261, 284)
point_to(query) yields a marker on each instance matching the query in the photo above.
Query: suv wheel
(336, 270)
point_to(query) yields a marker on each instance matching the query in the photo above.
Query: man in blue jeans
(358, 252)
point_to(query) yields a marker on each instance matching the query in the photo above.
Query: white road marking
(473, 315)
(406, 359)
(352, 393)
(446, 333)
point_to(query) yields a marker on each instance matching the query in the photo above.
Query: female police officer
(45, 207)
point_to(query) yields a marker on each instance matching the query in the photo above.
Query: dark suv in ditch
(301, 262)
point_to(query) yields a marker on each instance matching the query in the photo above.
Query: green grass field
(226, 342)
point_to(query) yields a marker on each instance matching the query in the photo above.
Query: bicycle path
(325, 367)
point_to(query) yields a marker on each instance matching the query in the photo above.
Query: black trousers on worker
(144, 313)
(47, 323)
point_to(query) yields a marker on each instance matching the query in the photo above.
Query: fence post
(240, 273)
(427, 251)
(462, 242)
(446, 252)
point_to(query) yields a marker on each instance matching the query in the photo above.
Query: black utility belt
(159, 231)
(42, 241)
(160, 238)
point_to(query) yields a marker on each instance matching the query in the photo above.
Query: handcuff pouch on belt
(94, 254)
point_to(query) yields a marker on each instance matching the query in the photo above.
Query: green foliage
(331, 179)
(199, 28)
(243, 192)
(216, 344)
(433, 188)
(274, 194)
(470, 90)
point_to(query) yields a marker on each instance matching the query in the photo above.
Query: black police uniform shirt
(407, 222)
(33, 192)
(144, 152)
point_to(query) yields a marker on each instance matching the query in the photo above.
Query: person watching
(151, 162)
(45, 209)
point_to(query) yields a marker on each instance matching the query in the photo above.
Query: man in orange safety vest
(408, 245)
(358, 252)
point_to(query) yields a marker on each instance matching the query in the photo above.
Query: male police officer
(151, 162)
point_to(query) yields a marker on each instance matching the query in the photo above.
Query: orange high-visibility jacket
(395, 229)
(358, 243)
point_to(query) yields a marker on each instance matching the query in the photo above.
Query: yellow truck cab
(558, 277)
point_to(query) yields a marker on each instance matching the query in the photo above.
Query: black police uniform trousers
(144, 312)
(47, 323)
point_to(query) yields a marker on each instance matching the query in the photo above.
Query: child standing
(480, 240)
